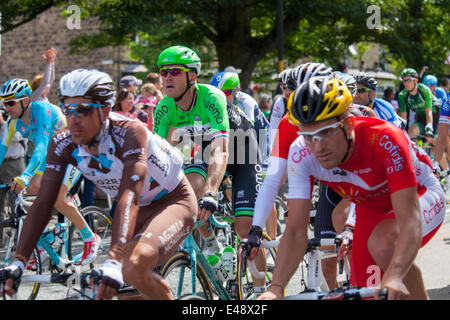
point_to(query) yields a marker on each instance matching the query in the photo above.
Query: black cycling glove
(209, 202)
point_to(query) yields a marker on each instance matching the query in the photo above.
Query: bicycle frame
(190, 247)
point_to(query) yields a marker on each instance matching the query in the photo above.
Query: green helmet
(226, 81)
(409, 72)
(180, 55)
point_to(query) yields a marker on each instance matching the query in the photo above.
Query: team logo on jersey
(374, 138)
(197, 118)
(394, 152)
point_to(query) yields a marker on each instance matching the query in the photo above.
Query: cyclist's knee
(381, 242)
(139, 264)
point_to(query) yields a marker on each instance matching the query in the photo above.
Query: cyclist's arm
(428, 96)
(46, 82)
(402, 105)
(40, 212)
(217, 165)
(442, 141)
(269, 190)
(275, 118)
(42, 140)
(292, 246)
(407, 211)
(7, 136)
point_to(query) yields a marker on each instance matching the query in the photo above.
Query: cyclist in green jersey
(199, 112)
(417, 97)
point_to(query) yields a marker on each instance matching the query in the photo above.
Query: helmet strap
(96, 140)
(188, 86)
(349, 139)
(24, 108)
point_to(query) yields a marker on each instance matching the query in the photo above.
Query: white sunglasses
(320, 134)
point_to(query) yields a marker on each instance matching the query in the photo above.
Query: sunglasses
(228, 92)
(408, 79)
(363, 89)
(173, 71)
(79, 109)
(11, 103)
(322, 134)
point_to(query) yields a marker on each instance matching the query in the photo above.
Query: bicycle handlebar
(214, 222)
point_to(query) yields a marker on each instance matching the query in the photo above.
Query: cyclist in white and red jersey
(156, 206)
(399, 202)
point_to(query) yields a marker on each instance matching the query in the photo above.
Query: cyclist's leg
(160, 228)
(323, 228)
(71, 212)
(415, 129)
(247, 180)
(197, 174)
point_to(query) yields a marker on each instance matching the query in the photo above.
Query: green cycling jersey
(418, 103)
(208, 116)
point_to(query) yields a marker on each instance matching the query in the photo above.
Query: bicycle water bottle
(228, 256)
(214, 261)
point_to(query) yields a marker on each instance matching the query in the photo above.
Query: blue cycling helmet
(430, 80)
(225, 80)
(17, 88)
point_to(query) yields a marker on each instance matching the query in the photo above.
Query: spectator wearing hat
(130, 83)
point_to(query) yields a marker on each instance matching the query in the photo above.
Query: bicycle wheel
(179, 276)
(244, 278)
(101, 224)
(27, 291)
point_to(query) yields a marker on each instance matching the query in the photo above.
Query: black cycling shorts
(323, 224)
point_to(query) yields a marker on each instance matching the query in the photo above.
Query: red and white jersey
(384, 161)
(286, 134)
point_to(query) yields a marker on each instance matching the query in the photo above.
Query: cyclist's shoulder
(384, 103)
(402, 94)
(423, 89)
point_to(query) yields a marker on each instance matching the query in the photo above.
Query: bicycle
(188, 272)
(312, 278)
(64, 252)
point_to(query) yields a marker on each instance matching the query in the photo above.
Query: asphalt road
(433, 260)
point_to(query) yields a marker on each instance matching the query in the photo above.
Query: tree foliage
(243, 33)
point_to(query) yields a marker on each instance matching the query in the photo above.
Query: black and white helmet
(306, 71)
(348, 79)
(366, 80)
(89, 84)
(282, 76)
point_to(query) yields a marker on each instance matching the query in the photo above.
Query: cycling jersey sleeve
(445, 110)
(278, 111)
(402, 100)
(299, 170)
(42, 119)
(216, 110)
(269, 190)
(162, 118)
(7, 135)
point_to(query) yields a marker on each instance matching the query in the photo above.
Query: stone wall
(23, 47)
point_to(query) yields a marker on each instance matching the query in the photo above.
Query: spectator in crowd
(342, 67)
(148, 102)
(130, 83)
(265, 104)
(147, 96)
(155, 79)
(446, 85)
(124, 103)
(40, 85)
(389, 96)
